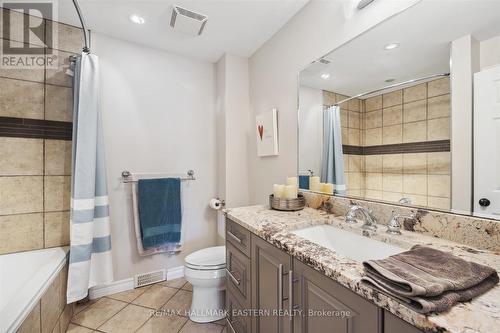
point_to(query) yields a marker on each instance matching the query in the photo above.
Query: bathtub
(24, 277)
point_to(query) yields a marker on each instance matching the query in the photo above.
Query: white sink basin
(348, 244)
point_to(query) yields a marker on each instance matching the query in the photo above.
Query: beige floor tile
(181, 302)
(72, 328)
(155, 296)
(129, 295)
(177, 283)
(129, 319)
(83, 305)
(192, 327)
(188, 287)
(98, 313)
(163, 324)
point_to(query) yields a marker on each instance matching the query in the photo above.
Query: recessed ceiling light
(137, 19)
(325, 76)
(391, 46)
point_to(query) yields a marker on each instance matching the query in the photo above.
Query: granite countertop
(482, 314)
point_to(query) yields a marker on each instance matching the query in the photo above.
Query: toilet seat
(211, 258)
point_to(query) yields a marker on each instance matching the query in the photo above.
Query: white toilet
(206, 271)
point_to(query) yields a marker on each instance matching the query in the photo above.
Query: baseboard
(128, 284)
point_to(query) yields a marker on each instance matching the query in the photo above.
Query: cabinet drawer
(238, 236)
(238, 274)
(237, 320)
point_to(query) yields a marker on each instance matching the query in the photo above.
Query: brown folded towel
(429, 280)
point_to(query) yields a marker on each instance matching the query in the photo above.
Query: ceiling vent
(187, 21)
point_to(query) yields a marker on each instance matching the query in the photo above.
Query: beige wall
(318, 28)
(35, 173)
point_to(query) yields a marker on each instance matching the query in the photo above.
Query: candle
(290, 192)
(314, 184)
(327, 188)
(278, 191)
(292, 181)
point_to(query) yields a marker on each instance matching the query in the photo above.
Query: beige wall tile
(355, 180)
(373, 119)
(439, 186)
(373, 136)
(57, 193)
(392, 98)
(373, 103)
(21, 99)
(33, 74)
(20, 195)
(415, 111)
(393, 115)
(354, 105)
(374, 195)
(355, 192)
(415, 163)
(415, 132)
(374, 181)
(58, 103)
(354, 119)
(373, 163)
(415, 184)
(15, 33)
(57, 157)
(356, 163)
(50, 306)
(438, 107)
(439, 163)
(344, 118)
(328, 98)
(438, 129)
(345, 135)
(346, 162)
(415, 93)
(32, 323)
(354, 137)
(65, 317)
(417, 200)
(58, 75)
(391, 196)
(21, 156)
(21, 233)
(56, 229)
(392, 182)
(392, 163)
(69, 38)
(392, 134)
(438, 87)
(439, 203)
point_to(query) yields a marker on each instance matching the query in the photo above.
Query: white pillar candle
(327, 188)
(278, 191)
(292, 181)
(290, 192)
(314, 183)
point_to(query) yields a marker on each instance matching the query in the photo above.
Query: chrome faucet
(394, 227)
(370, 222)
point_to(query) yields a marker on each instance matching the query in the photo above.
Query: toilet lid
(211, 257)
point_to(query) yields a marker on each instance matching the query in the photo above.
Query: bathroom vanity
(278, 262)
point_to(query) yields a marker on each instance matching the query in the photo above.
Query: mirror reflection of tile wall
(396, 145)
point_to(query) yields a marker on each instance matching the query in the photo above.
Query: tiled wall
(51, 313)
(395, 122)
(35, 147)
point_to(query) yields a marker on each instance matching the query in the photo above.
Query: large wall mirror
(409, 111)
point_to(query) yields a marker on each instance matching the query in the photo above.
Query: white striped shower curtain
(90, 261)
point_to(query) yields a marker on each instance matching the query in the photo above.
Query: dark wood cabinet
(325, 306)
(270, 285)
(270, 292)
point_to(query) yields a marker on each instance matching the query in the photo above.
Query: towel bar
(128, 177)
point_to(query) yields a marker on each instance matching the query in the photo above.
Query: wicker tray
(287, 204)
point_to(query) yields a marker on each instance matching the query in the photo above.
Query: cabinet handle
(230, 324)
(233, 236)
(235, 280)
(290, 295)
(280, 295)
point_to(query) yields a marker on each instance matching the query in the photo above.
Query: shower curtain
(90, 261)
(332, 168)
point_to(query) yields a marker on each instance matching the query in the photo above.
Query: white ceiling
(424, 32)
(238, 27)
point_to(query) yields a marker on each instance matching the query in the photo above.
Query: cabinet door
(270, 285)
(393, 324)
(324, 306)
(238, 321)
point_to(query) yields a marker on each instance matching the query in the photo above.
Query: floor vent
(149, 278)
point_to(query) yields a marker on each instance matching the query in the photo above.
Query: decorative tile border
(400, 148)
(35, 128)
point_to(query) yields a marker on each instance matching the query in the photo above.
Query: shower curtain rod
(392, 86)
(86, 48)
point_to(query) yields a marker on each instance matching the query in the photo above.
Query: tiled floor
(132, 311)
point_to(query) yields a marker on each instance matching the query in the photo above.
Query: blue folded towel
(304, 182)
(160, 211)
